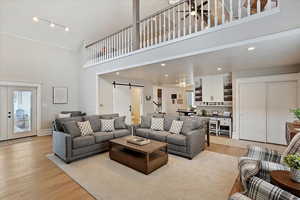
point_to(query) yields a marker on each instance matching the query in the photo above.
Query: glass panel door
(21, 112)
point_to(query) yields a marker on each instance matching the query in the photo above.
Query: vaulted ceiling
(87, 19)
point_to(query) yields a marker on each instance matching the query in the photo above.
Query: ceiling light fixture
(51, 23)
(251, 48)
(163, 64)
(172, 2)
(219, 68)
(35, 19)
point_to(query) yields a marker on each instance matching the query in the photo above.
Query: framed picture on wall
(60, 95)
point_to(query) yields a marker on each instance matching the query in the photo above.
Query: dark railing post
(136, 25)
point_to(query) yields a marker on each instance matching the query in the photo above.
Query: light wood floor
(26, 173)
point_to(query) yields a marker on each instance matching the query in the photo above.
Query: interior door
(282, 96)
(122, 102)
(21, 113)
(3, 113)
(253, 111)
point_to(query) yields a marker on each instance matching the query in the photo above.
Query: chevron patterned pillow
(85, 128)
(107, 125)
(176, 127)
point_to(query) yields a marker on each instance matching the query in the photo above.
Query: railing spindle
(258, 6)
(169, 24)
(144, 30)
(174, 19)
(196, 17)
(148, 31)
(208, 14)
(151, 31)
(190, 18)
(216, 12)
(164, 14)
(240, 9)
(178, 24)
(231, 11)
(202, 15)
(184, 18)
(223, 12)
(248, 7)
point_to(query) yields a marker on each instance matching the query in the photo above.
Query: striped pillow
(85, 128)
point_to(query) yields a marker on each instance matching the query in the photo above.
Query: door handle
(130, 108)
(9, 115)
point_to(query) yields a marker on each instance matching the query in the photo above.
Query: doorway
(128, 101)
(18, 108)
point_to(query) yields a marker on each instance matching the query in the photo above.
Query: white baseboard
(44, 132)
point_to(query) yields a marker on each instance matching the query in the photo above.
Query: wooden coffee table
(283, 180)
(145, 159)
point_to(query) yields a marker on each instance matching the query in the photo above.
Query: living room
(191, 99)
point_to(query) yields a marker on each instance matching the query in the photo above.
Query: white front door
(253, 117)
(122, 102)
(282, 96)
(18, 112)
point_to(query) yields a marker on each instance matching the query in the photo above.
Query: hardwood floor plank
(27, 174)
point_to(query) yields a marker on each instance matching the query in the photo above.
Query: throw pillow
(71, 128)
(157, 124)
(85, 128)
(95, 124)
(120, 122)
(145, 122)
(67, 115)
(176, 127)
(107, 125)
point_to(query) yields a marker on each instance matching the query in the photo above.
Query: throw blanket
(248, 168)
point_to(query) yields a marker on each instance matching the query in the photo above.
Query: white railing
(182, 19)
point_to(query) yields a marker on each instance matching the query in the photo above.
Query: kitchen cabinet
(213, 88)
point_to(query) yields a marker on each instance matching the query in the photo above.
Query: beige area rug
(209, 176)
(243, 143)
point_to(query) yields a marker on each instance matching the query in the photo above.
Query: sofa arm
(262, 153)
(238, 196)
(267, 167)
(260, 189)
(195, 142)
(62, 145)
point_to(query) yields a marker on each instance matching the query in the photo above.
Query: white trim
(266, 79)
(38, 97)
(187, 37)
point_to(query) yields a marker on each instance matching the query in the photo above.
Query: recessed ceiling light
(35, 19)
(118, 73)
(251, 48)
(163, 64)
(67, 29)
(219, 68)
(52, 25)
(166, 75)
(172, 2)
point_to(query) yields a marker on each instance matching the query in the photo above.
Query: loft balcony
(186, 20)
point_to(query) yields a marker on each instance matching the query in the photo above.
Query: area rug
(209, 176)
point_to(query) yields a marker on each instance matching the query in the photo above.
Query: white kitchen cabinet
(213, 88)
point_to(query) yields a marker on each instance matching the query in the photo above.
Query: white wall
(168, 105)
(33, 62)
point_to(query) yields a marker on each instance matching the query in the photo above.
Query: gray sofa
(189, 143)
(69, 145)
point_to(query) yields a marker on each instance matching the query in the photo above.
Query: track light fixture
(51, 23)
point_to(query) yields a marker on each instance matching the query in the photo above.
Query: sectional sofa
(69, 145)
(189, 143)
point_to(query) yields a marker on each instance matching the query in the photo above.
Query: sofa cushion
(168, 121)
(121, 133)
(103, 136)
(90, 117)
(173, 147)
(71, 128)
(83, 141)
(159, 135)
(157, 124)
(145, 122)
(109, 116)
(59, 122)
(176, 139)
(95, 124)
(189, 124)
(120, 122)
(142, 132)
(107, 125)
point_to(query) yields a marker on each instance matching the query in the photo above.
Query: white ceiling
(272, 53)
(88, 19)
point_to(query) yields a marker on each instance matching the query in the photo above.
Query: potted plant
(293, 161)
(296, 112)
